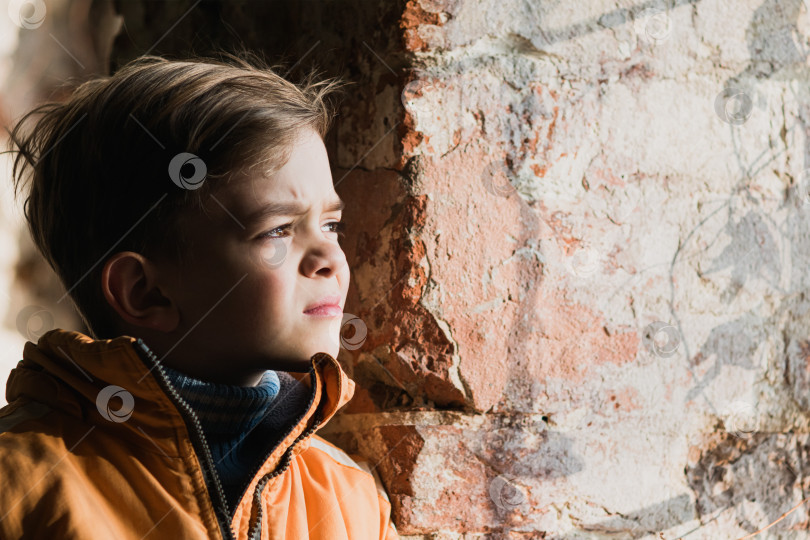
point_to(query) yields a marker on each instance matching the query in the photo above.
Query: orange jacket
(81, 459)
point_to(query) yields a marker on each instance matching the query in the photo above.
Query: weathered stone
(578, 233)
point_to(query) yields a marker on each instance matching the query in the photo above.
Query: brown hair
(98, 163)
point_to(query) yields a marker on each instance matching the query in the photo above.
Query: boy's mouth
(325, 311)
(328, 306)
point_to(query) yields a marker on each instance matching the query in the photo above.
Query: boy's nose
(325, 260)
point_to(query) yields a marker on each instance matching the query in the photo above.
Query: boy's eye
(337, 227)
(334, 226)
(272, 233)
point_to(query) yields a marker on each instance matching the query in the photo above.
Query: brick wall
(594, 262)
(578, 236)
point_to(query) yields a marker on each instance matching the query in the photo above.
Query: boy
(189, 210)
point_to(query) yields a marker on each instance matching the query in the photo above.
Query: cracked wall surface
(614, 235)
(579, 235)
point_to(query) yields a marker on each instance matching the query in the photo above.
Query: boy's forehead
(259, 195)
(288, 184)
(305, 178)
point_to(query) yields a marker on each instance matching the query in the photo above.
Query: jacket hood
(117, 384)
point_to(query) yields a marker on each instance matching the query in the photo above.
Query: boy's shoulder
(63, 477)
(33, 441)
(354, 461)
(359, 479)
(13, 414)
(24, 437)
(31, 450)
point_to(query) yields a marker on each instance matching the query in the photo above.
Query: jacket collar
(82, 377)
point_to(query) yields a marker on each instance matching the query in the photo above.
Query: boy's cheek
(270, 295)
(274, 254)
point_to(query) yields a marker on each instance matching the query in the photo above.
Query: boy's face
(252, 276)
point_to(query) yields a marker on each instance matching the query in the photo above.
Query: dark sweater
(242, 424)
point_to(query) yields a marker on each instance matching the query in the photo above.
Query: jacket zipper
(283, 463)
(254, 530)
(292, 428)
(198, 440)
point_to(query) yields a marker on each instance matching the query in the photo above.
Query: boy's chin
(327, 344)
(303, 360)
(329, 348)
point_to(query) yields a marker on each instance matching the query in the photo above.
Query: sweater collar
(224, 409)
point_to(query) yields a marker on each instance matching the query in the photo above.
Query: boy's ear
(129, 283)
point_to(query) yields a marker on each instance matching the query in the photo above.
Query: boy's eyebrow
(290, 209)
